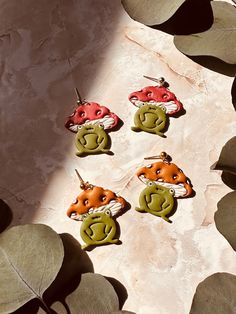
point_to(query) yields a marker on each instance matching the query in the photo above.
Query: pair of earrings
(91, 121)
(98, 208)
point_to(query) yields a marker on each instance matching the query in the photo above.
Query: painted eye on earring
(172, 191)
(150, 183)
(98, 112)
(80, 127)
(101, 126)
(108, 212)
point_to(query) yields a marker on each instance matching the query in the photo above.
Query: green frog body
(98, 229)
(91, 139)
(151, 119)
(156, 200)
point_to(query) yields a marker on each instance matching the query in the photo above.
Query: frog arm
(147, 198)
(88, 231)
(141, 116)
(108, 229)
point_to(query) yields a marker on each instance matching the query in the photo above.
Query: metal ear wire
(163, 156)
(83, 185)
(79, 98)
(161, 81)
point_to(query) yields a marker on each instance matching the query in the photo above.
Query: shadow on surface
(37, 88)
(76, 262)
(194, 16)
(5, 215)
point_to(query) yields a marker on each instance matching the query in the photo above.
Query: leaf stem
(45, 307)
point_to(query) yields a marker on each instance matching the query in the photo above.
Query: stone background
(160, 264)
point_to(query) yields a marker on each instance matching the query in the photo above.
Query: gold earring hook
(161, 81)
(163, 156)
(79, 98)
(83, 185)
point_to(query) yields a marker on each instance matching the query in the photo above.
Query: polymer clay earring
(165, 182)
(96, 207)
(90, 121)
(156, 104)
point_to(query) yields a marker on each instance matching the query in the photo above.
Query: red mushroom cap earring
(90, 121)
(156, 104)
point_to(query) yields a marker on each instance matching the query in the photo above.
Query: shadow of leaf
(119, 289)
(76, 262)
(5, 215)
(194, 16)
(233, 92)
(215, 64)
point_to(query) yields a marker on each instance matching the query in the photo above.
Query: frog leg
(85, 246)
(135, 129)
(139, 209)
(114, 241)
(160, 133)
(167, 209)
(166, 219)
(79, 153)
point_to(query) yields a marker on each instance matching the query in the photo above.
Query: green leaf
(94, 295)
(227, 160)
(215, 295)
(218, 41)
(225, 218)
(151, 12)
(30, 258)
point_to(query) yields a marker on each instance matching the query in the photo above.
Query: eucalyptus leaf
(233, 93)
(218, 41)
(151, 12)
(225, 218)
(227, 160)
(215, 295)
(94, 295)
(30, 259)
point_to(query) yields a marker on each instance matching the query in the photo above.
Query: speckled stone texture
(49, 47)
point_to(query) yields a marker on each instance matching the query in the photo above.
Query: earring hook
(79, 98)
(160, 80)
(83, 185)
(163, 156)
